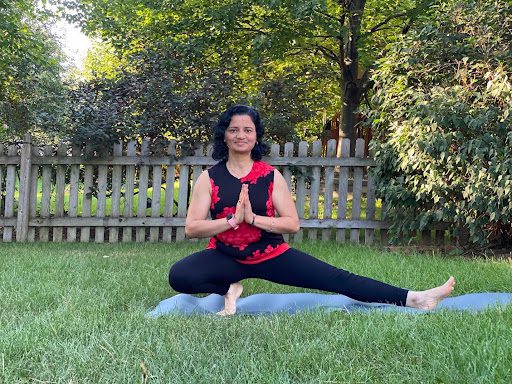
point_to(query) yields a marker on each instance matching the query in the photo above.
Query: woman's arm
(196, 223)
(288, 220)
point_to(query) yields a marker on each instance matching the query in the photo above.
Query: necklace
(239, 173)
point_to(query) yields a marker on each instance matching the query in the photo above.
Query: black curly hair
(220, 149)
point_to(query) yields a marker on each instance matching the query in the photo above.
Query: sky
(74, 43)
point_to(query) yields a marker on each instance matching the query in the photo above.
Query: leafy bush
(443, 119)
(158, 97)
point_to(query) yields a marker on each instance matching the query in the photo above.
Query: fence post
(24, 198)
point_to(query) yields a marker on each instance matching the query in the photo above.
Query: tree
(322, 42)
(443, 116)
(31, 91)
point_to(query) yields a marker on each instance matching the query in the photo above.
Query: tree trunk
(348, 120)
(351, 86)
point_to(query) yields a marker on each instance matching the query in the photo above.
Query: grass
(75, 313)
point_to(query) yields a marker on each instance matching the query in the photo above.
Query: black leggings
(210, 271)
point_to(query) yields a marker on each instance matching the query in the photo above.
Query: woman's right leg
(206, 271)
(300, 269)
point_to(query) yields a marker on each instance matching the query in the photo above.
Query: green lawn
(75, 313)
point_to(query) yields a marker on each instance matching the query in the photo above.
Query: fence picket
(183, 198)
(33, 196)
(24, 189)
(10, 186)
(140, 233)
(74, 176)
(170, 176)
(197, 169)
(370, 208)
(315, 189)
(156, 177)
(343, 190)
(357, 191)
(287, 173)
(439, 237)
(85, 231)
(117, 175)
(2, 148)
(275, 154)
(60, 179)
(328, 188)
(46, 191)
(300, 189)
(129, 189)
(99, 232)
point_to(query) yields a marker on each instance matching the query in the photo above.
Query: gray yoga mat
(268, 303)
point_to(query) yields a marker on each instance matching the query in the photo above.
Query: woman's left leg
(299, 269)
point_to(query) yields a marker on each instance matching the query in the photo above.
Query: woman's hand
(240, 210)
(248, 213)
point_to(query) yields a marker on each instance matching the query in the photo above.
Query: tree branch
(337, 37)
(341, 43)
(328, 53)
(407, 26)
(376, 27)
(365, 82)
(383, 29)
(254, 30)
(337, 19)
(299, 51)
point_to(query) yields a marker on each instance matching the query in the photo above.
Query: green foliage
(31, 91)
(443, 114)
(160, 96)
(102, 62)
(175, 85)
(290, 59)
(293, 60)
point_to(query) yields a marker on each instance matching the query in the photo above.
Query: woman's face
(240, 135)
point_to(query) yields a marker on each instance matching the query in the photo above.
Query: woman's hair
(220, 149)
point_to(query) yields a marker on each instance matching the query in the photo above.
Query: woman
(243, 195)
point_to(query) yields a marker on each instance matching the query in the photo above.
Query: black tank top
(248, 244)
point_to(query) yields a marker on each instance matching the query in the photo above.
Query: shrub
(442, 115)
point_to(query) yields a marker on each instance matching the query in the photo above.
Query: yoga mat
(268, 303)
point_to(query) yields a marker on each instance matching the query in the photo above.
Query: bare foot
(431, 297)
(230, 298)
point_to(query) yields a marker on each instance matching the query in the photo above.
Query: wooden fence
(139, 194)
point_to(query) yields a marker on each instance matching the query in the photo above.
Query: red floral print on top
(269, 252)
(259, 169)
(212, 244)
(270, 206)
(242, 236)
(215, 194)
